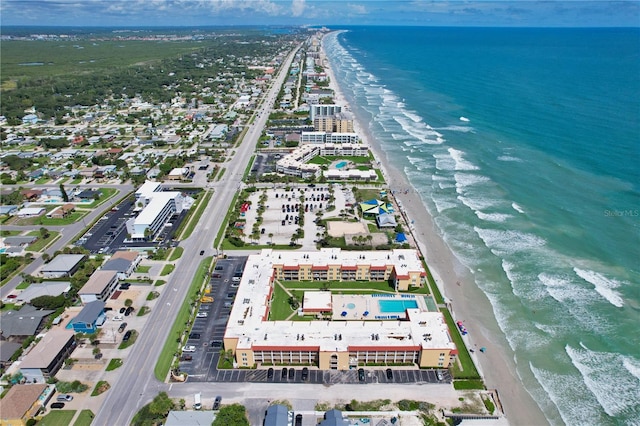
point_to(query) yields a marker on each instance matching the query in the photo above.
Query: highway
(137, 385)
(67, 232)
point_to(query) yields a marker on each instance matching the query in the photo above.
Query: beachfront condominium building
(320, 110)
(338, 123)
(307, 138)
(155, 208)
(296, 163)
(346, 334)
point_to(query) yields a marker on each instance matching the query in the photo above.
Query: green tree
(44, 233)
(234, 414)
(161, 404)
(65, 197)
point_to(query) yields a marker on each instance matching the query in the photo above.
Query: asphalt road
(137, 385)
(67, 232)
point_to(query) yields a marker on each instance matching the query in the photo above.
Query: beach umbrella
(482, 349)
(344, 313)
(365, 313)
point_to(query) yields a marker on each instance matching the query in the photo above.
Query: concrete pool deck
(355, 305)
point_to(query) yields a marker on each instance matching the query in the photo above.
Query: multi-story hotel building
(296, 163)
(353, 336)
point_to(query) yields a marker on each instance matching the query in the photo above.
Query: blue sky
(318, 12)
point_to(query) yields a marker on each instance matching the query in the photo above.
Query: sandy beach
(467, 302)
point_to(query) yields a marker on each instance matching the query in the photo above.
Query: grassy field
(81, 57)
(41, 243)
(84, 418)
(143, 269)
(57, 418)
(468, 370)
(171, 345)
(72, 218)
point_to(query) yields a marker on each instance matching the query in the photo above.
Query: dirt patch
(339, 229)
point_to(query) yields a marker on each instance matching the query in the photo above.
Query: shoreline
(465, 300)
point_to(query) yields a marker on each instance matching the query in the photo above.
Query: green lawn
(280, 308)
(468, 370)
(107, 193)
(131, 341)
(57, 418)
(171, 345)
(72, 218)
(23, 285)
(84, 418)
(194, 218)
(41, 243)
(176, 254)
(76, 181)
(113, 364)
(158, 283)
(167, 269)
(143, 269)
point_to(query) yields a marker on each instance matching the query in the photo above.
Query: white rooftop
(249, 323)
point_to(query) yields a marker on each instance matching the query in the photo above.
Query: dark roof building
(89, 317)
(7, 349)
(25, 322)
(334, 418)
(277, 415)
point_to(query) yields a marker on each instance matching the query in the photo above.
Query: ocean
(524, 145)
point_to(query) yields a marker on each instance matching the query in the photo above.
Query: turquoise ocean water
(524, 144)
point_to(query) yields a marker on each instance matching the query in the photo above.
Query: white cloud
(358, 9)
(297, 7)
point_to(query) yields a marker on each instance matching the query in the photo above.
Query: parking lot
(207, 335)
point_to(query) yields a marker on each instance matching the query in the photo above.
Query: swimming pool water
(341, 164)
(397, 306)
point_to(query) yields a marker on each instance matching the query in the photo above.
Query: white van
(118, 318)
(197, 403)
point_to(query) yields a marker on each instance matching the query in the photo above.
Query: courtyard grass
(143, 269)
(70, 219)
(172, 343)
(113, 364)
(57, 418)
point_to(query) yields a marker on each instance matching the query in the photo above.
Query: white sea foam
(461, 129)
(577, 407)
(523, 285)
(603, 285)
(413, 116)
(443, 204)
(509, 158)
(461, 163)
(465, 180)
(478, 203)
(508, 242)
(517, 208)
(444, 162)
(616, 390)
(465, 119)
(493, 217)
(632, 365)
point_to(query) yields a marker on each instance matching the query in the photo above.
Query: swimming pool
(2, 250)
(396, 306)
(341, 164)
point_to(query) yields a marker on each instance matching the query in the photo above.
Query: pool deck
(356, 304)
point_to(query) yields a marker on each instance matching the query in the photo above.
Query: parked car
(389, 374)
(202, 315)
(361, 376)
(128, 311)
(292, 373)
(216, 402)
(123, 310)
(126, 336)
(64, 397)
(216, 343)
(298, 420)
(57, 405)
(125, 286)
(440, 376)
(284, 373)
(118, 318)
(186, 357)
(305, 374)
(270, 373)
(189, 348)
(201, 252)
(122, 327)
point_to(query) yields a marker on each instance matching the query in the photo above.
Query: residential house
(36, 174)
(9, 210)
(31, 194)
(62, 211)
(123, 262)
(88, 172)
(30, 119)
(28, 321)
(63, 265)
(89, 318)
(100, 286)
(7, 350)
(47, 357)
(23, 402)
(31, 212)
(46, 288)
(19, 241)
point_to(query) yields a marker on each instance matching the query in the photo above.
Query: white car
(202, 315)
(189, 348)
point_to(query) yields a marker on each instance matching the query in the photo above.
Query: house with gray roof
(19, 241)
(191, 418)
(8, 209)
(28, 321)
(46, 288)
(334, 418)
(45, 359)
(89, 318)
(7, 349)
(277, 415)
(63, 265)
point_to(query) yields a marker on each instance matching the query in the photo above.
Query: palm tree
(369, 238)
